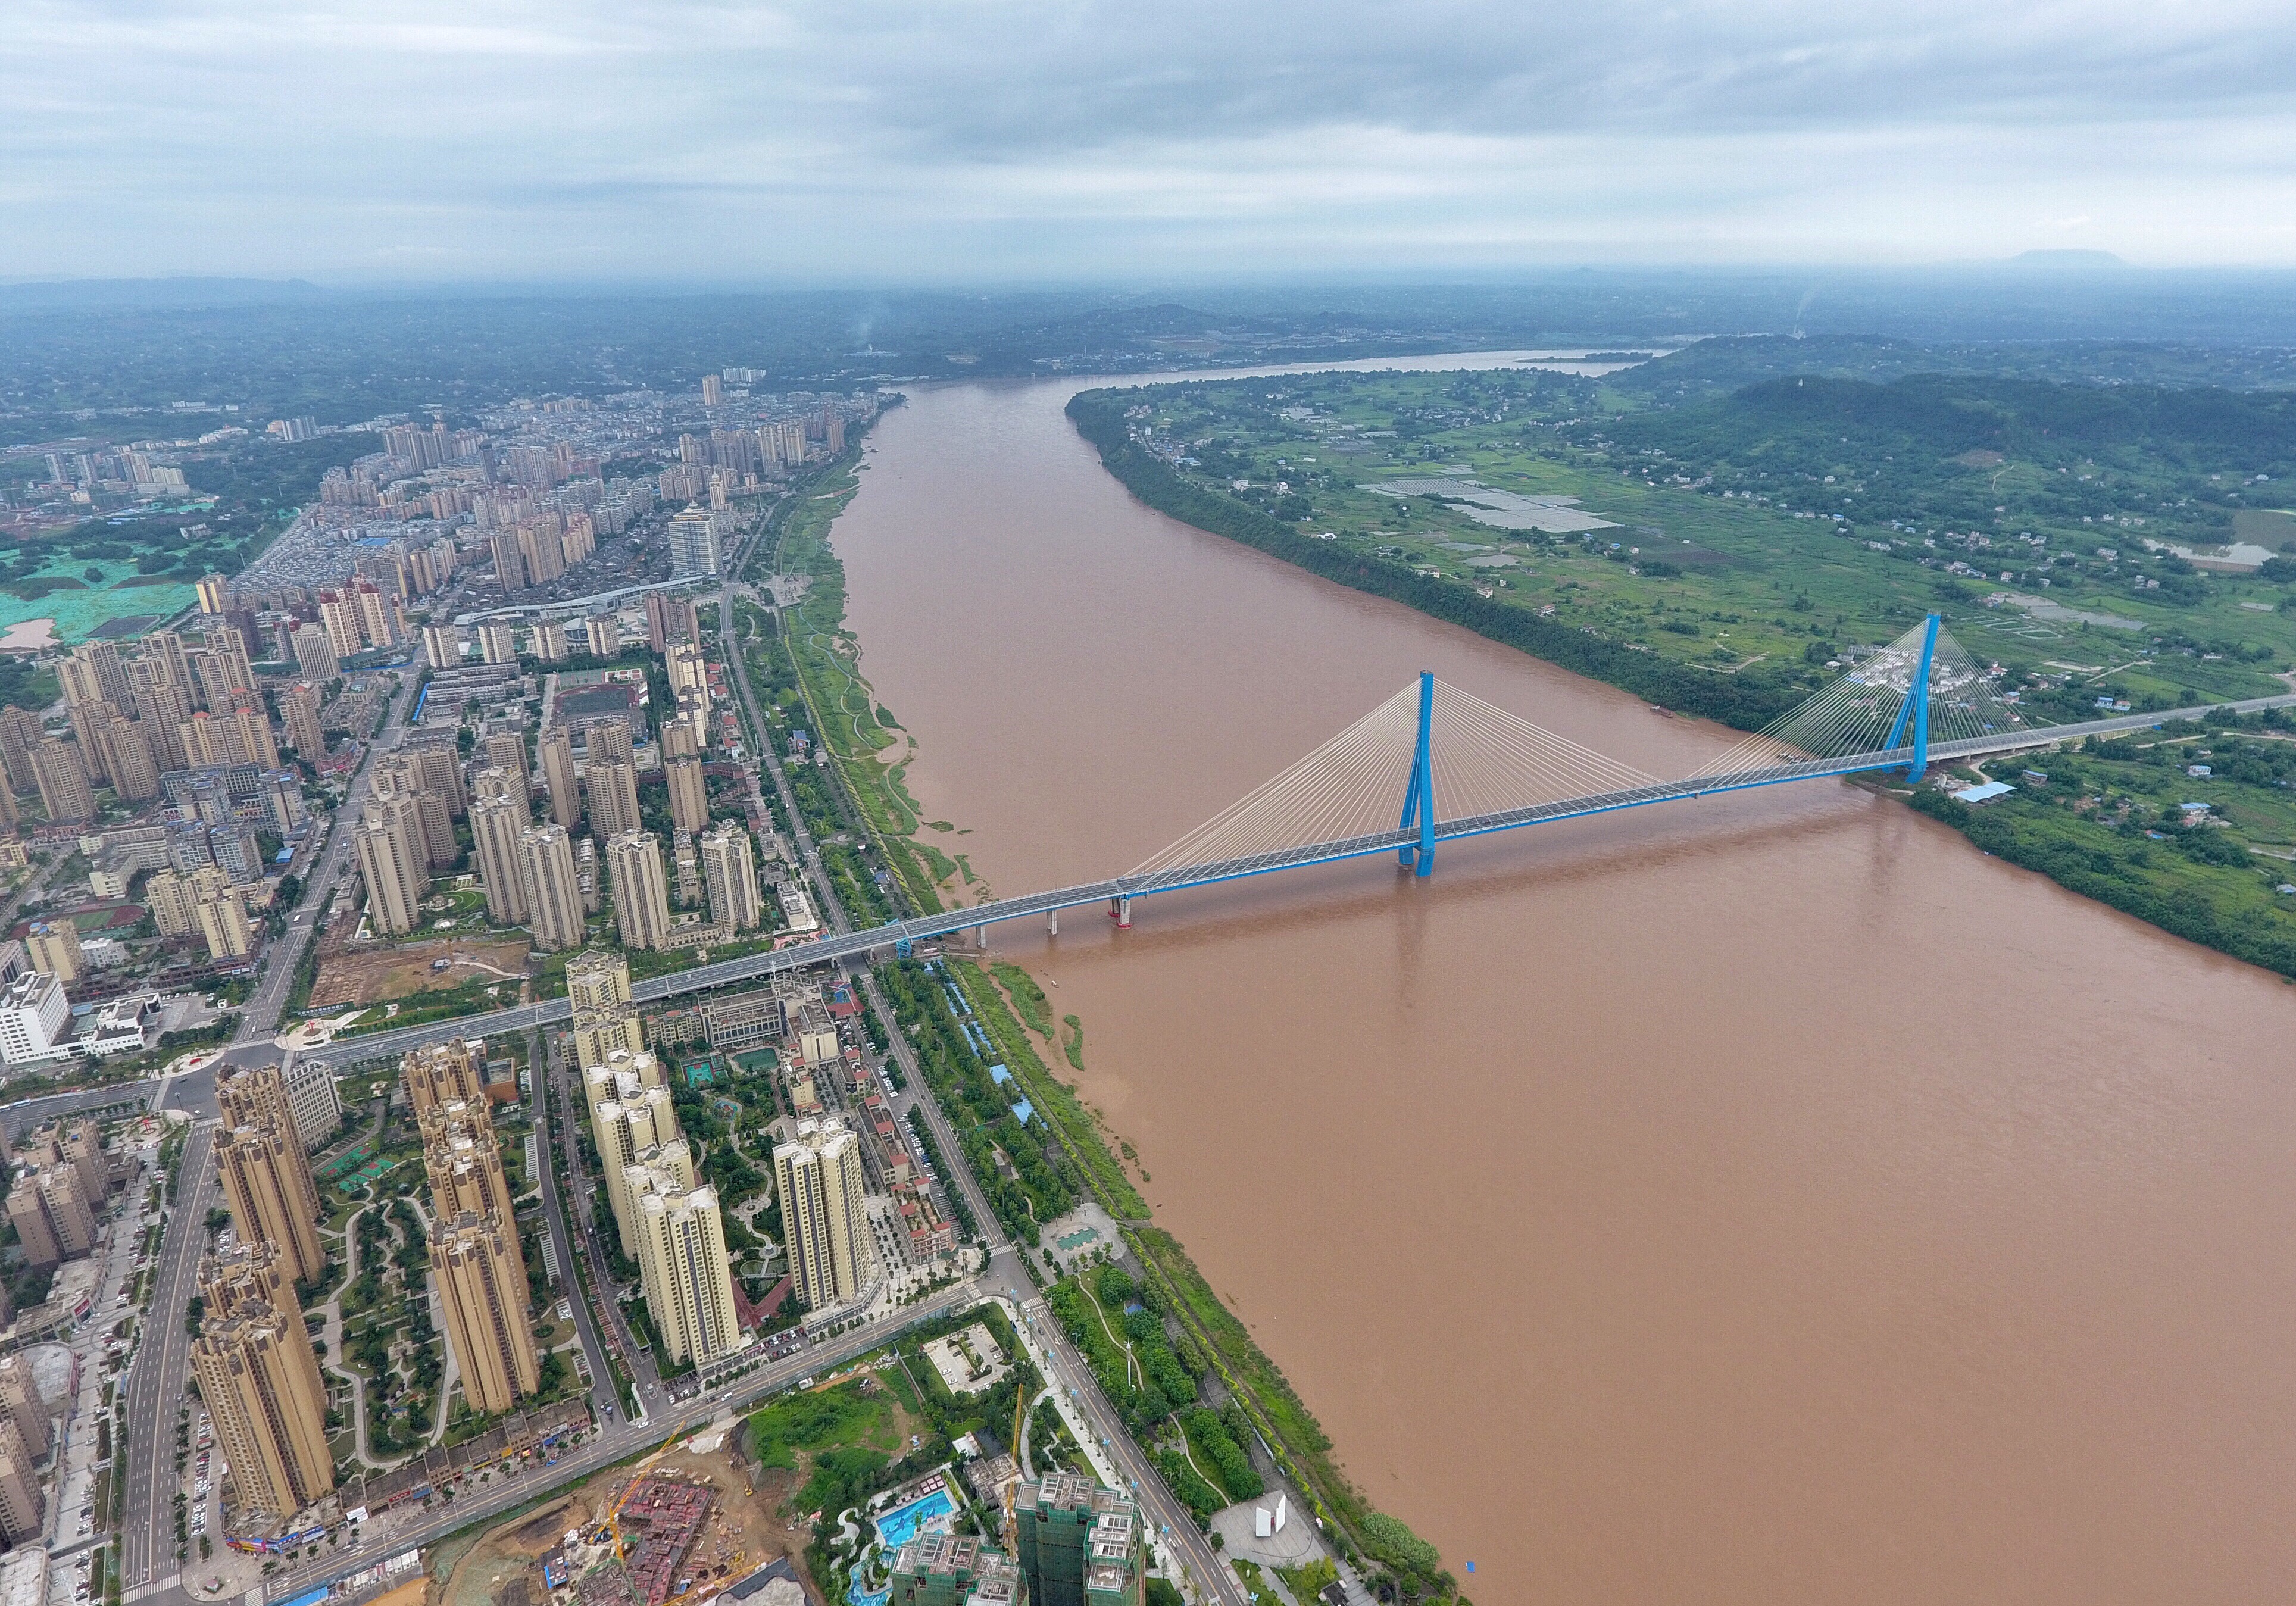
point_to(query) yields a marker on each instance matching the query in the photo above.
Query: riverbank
(2222, 901)
(813, 660)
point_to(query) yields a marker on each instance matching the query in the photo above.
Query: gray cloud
(727, 141)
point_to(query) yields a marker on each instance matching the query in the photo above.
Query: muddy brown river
(1763, 1199)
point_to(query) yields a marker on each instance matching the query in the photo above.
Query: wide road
(155, 1377)
(541, 1060)
(259, 1016)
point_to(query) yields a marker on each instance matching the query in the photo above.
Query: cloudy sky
(976, 139)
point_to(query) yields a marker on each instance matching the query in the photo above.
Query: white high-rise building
(694, 544)
(34, 1014)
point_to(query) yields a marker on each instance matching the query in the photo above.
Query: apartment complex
(482, 1285)
(953, 1569)
(824, 1216)
(681, 1260)
(1080, 1544)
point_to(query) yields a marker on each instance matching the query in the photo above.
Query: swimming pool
(898, 1526)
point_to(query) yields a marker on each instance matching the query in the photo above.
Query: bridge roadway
(860, 944)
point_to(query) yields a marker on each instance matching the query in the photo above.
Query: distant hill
(2068, 261)
(78, 294)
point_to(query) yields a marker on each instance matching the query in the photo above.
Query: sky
(973, 139)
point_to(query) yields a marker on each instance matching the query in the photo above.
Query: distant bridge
(1499, 773)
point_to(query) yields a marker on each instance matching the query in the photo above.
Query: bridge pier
(1120, 910)
(1052, 923)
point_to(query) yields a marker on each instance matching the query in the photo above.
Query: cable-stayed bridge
(1443, 764)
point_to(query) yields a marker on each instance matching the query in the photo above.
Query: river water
(1765, 1200)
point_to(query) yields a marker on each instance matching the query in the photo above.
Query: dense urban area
(819, 1286)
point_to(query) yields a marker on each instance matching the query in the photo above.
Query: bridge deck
(859, 943)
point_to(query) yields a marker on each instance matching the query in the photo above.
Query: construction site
(680, 1528)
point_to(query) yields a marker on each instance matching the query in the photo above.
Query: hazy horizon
(680, 142)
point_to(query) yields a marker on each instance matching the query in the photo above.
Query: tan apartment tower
(394, 863)
(641, 892)
(554, 887)
(496, 825)
(262, 1187)
(598, 987)
(832, 1253)
(256, 1096)
(261, 1386)
(559, 777)
(461, 1160)
(687, 1274)
(23, 1510)
(689, 794)
(53, 1218)
(21, 1403)
(482, 1285)
(729, 871)
(506, 750)
(443, 1073)
(624, 1128)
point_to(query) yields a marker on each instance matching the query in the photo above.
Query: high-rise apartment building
(380, 620)
(339, 615)
(403, 775)
(482, 1285)
(262, 1188)
(313, 1098)
(223, 926)
(641, 889)
(315, 653)
(952, 1569)
(713, 390)
(1080, 1544)
(54, 948)
(825, 1216)
(689, 794)
(260, 1384)
(554, 887)
(694, 544)
(34, 1017)
(497, 644)
(298, 706)
(215, 594)
(441, 1074)
(625, 1125)
(559, 775)
(549, 642)
(612, 787)
(23, 1509)
(442, 646)
(598, 987)
(22, 1404)
(506, 750)
(684, 1267)
(257, 1095)
(597, 978)
(392, 864)
(496, 826)
(53, 1218)
(729, 873)
(62, 780)
(461, 1160)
